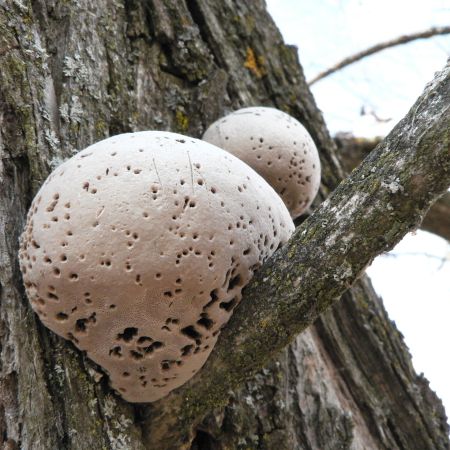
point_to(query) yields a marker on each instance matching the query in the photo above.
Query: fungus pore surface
(137, 248)
(277, 146)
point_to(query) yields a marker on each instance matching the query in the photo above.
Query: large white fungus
(277, 146)
(137, 249)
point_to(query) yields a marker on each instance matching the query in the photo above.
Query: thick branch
(435, 31)
(368, 214)
(352, 150)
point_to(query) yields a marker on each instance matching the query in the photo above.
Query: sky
(326, 31)
(414, 279)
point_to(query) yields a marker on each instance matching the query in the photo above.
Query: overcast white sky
(326, 31)
(415, 288)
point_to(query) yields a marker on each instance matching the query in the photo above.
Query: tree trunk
(75, 72)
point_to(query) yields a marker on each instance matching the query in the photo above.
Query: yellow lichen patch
(182, 120)
(254, 64)
(250, 22)
(101, 128)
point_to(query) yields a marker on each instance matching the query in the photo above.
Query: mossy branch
(352, 150)
(369, 212)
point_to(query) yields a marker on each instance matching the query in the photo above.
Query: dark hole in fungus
(136, 355)
(128, 334)
(205, 322)
(157, 345)
(80, 325)
(116, 351)
(165, 365)
(235, 281)
(228, 306)
(191, 332)
(213, 299)
(187, 350)
(151, 348)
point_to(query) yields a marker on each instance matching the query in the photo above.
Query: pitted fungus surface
(277, 146)
(137, 249)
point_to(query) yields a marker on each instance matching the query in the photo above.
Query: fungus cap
(137, 249)
(277, 146)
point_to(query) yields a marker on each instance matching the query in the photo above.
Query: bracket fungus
(275, 145)
(137, 249)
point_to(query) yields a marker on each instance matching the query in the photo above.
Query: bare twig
(434, 31)
(442, 259)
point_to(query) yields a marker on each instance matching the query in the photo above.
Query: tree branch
(435, 31)
(352, 150)
(366, 215)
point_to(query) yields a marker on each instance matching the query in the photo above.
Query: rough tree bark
(352, 150)
(74, 72)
